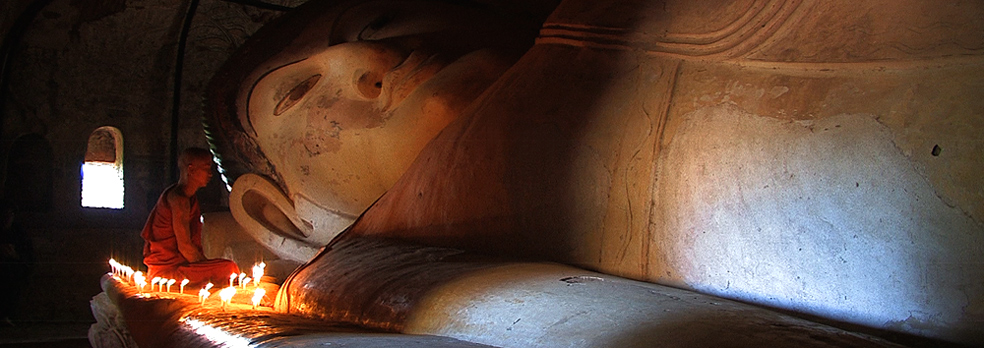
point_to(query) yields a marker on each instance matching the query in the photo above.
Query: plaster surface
(817, 157)
(827, 217)
(426, 290)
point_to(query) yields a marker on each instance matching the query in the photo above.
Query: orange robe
(161, 253)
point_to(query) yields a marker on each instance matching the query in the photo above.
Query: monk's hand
(181, 223)
(195, 257)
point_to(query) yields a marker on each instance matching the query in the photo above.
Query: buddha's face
(341, 121)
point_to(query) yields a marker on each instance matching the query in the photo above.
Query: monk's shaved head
(192, 155)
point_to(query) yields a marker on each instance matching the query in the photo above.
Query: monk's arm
(181, 220)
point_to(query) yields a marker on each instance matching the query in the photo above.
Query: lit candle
(139, 280)
(161, 283)
(129, 273)
(169, 283)
(241, 276)
(226, 295)
(243, 283)
(258, 296)
(203, 295)
(153, 282)
(112, 264)
(183, 283)
(209, 286)
(258, 273)
(232, 278)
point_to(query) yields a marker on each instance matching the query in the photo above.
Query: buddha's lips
(416, 69)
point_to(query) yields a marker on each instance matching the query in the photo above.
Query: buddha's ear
(269, 217)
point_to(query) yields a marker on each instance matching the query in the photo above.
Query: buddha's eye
(295, 94)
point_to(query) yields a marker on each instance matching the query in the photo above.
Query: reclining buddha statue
(616, 173)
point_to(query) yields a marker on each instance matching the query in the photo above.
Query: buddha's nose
(365, 64)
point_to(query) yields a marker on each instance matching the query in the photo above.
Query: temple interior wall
(82, 65)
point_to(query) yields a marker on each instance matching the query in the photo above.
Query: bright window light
(102, 185)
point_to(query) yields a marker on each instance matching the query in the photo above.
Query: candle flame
(209, 285)
(203, 295)
(232, 278)
(139, 280)
(115, 266)
(183, 283)
(227, 294)
(258, 296)
(258, 273)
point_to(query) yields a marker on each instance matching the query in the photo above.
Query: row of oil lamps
(137, 278)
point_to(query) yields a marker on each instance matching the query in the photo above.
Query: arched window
(102, 172)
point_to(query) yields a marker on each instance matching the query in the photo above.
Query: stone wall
(85, 64)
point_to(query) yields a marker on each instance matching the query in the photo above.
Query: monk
(173, 232)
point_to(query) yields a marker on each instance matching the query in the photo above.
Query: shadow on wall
(30, 170)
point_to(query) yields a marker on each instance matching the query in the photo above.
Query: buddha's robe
(161, 254)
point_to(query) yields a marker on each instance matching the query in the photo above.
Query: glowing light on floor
(222, 338)
(102, 185)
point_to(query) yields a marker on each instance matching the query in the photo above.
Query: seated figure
(173, 232)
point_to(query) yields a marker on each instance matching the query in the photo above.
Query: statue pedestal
(385, 294)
